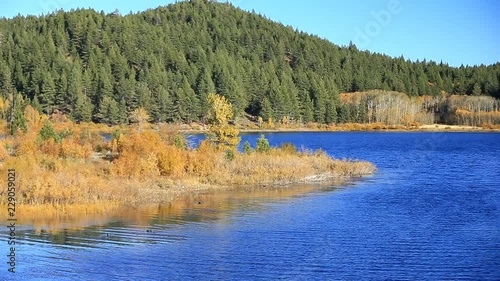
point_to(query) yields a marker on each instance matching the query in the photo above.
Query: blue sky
(454, 31)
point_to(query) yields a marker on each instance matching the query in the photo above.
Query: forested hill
(100, 67)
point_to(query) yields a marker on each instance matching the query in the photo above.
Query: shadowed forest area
(98, 67)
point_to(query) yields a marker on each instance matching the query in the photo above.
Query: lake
(431, 212)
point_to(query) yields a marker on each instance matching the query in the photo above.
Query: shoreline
(438, 128)
(152, 193)
(65, 178)
(119, 188)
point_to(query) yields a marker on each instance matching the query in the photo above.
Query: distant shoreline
(423, 128)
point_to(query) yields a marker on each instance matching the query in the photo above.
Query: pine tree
(247, 149)
(204, 86)
(343, 114)
(191, 102)
(47, 96)
(108, 112)
(48, 132)
(83, 109)
(122, 112)
(266, 111)
(144, 95)
(331, 112)
(17, 118)
(165, 105)
(277, 99)
(307, 109)
(34, 84)
(61, 92)
(105, 80)
(291, 96)
(318, 92)
(75, 88)
(262, 145)
(229, 85)
(35, 103)
(459, 84)
(6, 86)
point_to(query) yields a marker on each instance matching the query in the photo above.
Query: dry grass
(284, 167)
(68, 177)
(490, 126)
(457, 128)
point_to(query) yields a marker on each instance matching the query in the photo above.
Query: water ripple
(430, 213)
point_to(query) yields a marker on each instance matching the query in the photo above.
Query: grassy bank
(72, 169)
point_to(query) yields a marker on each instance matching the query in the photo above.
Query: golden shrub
(71, 147)
(124, 165)
(203, 162)
(50, 147)
(148, 166)
(26, 145)
(172, 161)
(144, 142)
(145, 154)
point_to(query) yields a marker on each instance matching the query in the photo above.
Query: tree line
(101, 67)
(395, 108)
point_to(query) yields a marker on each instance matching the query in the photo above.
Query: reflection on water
(150, 224)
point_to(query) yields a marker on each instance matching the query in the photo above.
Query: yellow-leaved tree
(221, 133)
(33, 118)
(139, 116)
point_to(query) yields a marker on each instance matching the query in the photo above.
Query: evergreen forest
(93, 66)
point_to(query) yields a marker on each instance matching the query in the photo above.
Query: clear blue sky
(454, 31)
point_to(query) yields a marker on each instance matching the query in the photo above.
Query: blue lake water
(431, 212)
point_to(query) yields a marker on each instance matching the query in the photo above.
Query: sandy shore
(422, 128)
(455, 128)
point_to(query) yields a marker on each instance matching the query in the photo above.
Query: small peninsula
(62, 165)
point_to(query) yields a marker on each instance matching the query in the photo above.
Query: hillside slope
(100, 67)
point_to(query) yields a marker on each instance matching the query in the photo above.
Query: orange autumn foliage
(203, 162)
(146, 154)
(26, 145)
(73, 147)
(50, 147)
(172, 162)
